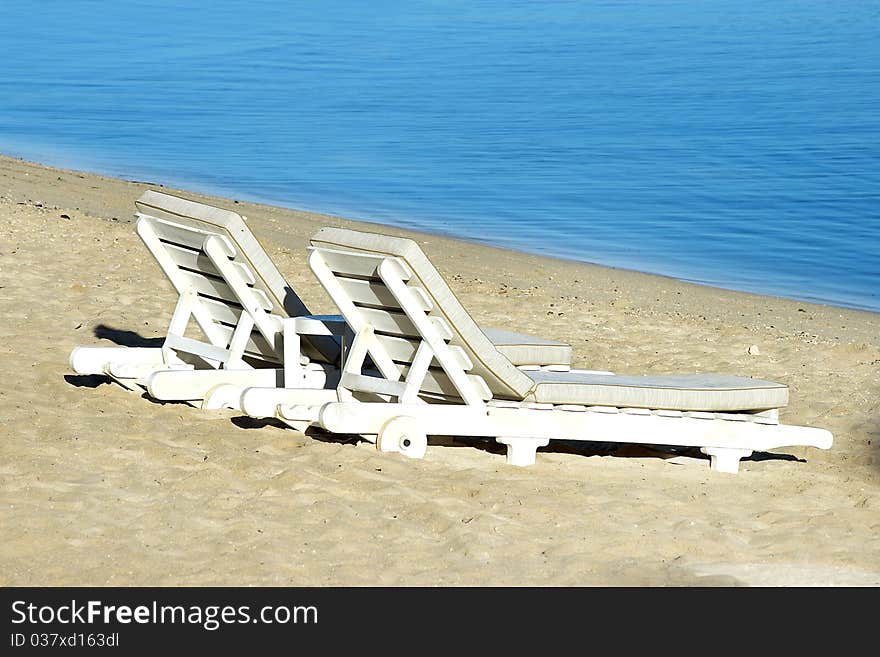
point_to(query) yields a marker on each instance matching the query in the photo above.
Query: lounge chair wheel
(225, 395)
(403, 434)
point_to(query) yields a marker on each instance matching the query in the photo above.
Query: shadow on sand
(86, 380)
(489, 445)
(126, 338)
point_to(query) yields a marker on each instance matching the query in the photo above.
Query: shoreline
(101, 486)
(376, 226)
(117, 204)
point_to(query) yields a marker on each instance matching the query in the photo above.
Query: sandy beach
(100, 486)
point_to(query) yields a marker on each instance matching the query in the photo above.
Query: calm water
(729, 143)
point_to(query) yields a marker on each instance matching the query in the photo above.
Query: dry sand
(99, 486)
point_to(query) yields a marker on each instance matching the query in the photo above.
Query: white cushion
(682, 392)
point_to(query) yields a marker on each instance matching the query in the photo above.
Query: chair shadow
(245, 422)
(126, 338)
(86, 380)
(335, 438)
(617, 450)
(769, 456)
(489, 445)
(118, 336)
(97, 380)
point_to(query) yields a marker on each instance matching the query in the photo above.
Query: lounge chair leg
(725, 459)
(521, 451)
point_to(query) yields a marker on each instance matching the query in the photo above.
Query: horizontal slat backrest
(403, 350)
(185, 255)
(185, 246)
(216, 287)
(359, 277)
(198, 261)
(189, 219)
(502, 379)
(257, 346)
(397, 323)
(183, 223)
(364, 298)
(223, 312)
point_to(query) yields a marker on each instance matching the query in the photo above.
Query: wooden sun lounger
(419, 366)
(237, 322)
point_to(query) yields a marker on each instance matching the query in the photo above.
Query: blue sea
(731, 143)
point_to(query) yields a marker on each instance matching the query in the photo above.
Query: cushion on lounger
(683, 392)
(521, 349)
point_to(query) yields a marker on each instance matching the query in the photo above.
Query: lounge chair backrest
(359, 271)
(210, 254)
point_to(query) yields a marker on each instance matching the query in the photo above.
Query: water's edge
(232, 196)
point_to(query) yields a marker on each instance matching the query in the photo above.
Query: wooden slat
(375, 293)
(387, 321)
(176, 234)
(256, 344)
(245, 272)
(221, 311)
(436, 382)
(199, 261)
(218, 288)
(421, 297)
(397, 323)
(359, 265)
(373, 384)
(184, 235)
(191, 259)
(226, 316)
(351, 265)
(202, 284)
(442, 327)
(403, 350)
(197, 347)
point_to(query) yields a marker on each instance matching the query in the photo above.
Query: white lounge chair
(254, 329)
(420, 366)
